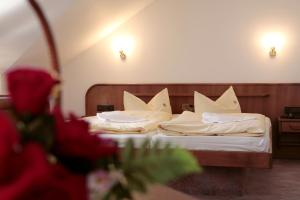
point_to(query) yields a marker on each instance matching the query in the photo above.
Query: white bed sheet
(221, 143)
(137, 138)
(213, 143)
(122, 138)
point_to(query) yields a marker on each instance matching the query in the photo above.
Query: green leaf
(137, 182)
(143, 149)
(118, 191)
(128, 151)
(38, 128)
(156, 164)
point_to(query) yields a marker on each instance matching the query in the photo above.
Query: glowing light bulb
(273, 42)
(123, 46)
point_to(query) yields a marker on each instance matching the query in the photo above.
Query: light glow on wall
(273, 40)
(124, 44)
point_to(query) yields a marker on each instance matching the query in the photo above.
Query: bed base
(234, 159)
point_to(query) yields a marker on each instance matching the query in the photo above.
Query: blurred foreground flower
(44, 156)
(29, 90)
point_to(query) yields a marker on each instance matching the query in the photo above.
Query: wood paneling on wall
(4, 103)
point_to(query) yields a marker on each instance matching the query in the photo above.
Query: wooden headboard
(267, 99)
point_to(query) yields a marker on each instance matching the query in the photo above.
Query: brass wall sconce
(273, 43)
(273, 52)
(122, 54)
(122, 46)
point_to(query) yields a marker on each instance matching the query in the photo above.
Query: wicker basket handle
(51, 44)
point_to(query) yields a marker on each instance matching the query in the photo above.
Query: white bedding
(127, 121)
(120, 117)
(209, 143)
(221, 143)
(122, 138)
(208, 117)
(189, 123)
(213, 143)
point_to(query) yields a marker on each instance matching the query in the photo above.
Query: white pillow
(160, 102)
(227, 103)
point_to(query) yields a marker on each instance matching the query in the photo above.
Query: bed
(220, 143)
(253, 99)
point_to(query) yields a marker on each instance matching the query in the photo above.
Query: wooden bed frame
(5, 104)
(267, 99)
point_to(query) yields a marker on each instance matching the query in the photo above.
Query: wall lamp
(273, 42)
(272, 52)
(122, 54)
(123, 46)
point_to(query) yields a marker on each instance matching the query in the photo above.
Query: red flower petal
(30, 89)
(73, 139)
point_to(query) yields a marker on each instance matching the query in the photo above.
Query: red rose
(25, 170)
(9, 141)
(31, 177)
(26, 174)
(63, 185)
(74, 140)
(59, 184)
(30, 89)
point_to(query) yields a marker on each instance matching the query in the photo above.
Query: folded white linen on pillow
(226, 117)
(226, 103)
(127, 122)
(160, 102)
(120, 117)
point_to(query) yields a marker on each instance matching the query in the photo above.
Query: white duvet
(226, 118)
(127, 121)
(238, 124)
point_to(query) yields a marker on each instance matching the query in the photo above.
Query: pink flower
(99, 182)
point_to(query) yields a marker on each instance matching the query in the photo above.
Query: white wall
(81, 25)
(197, 41)
(18, 31)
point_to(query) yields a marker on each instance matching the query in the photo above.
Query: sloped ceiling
(19, 30)
(19, 27)
(82, 25)
(77, 25)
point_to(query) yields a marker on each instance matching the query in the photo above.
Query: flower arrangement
(45, 156)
